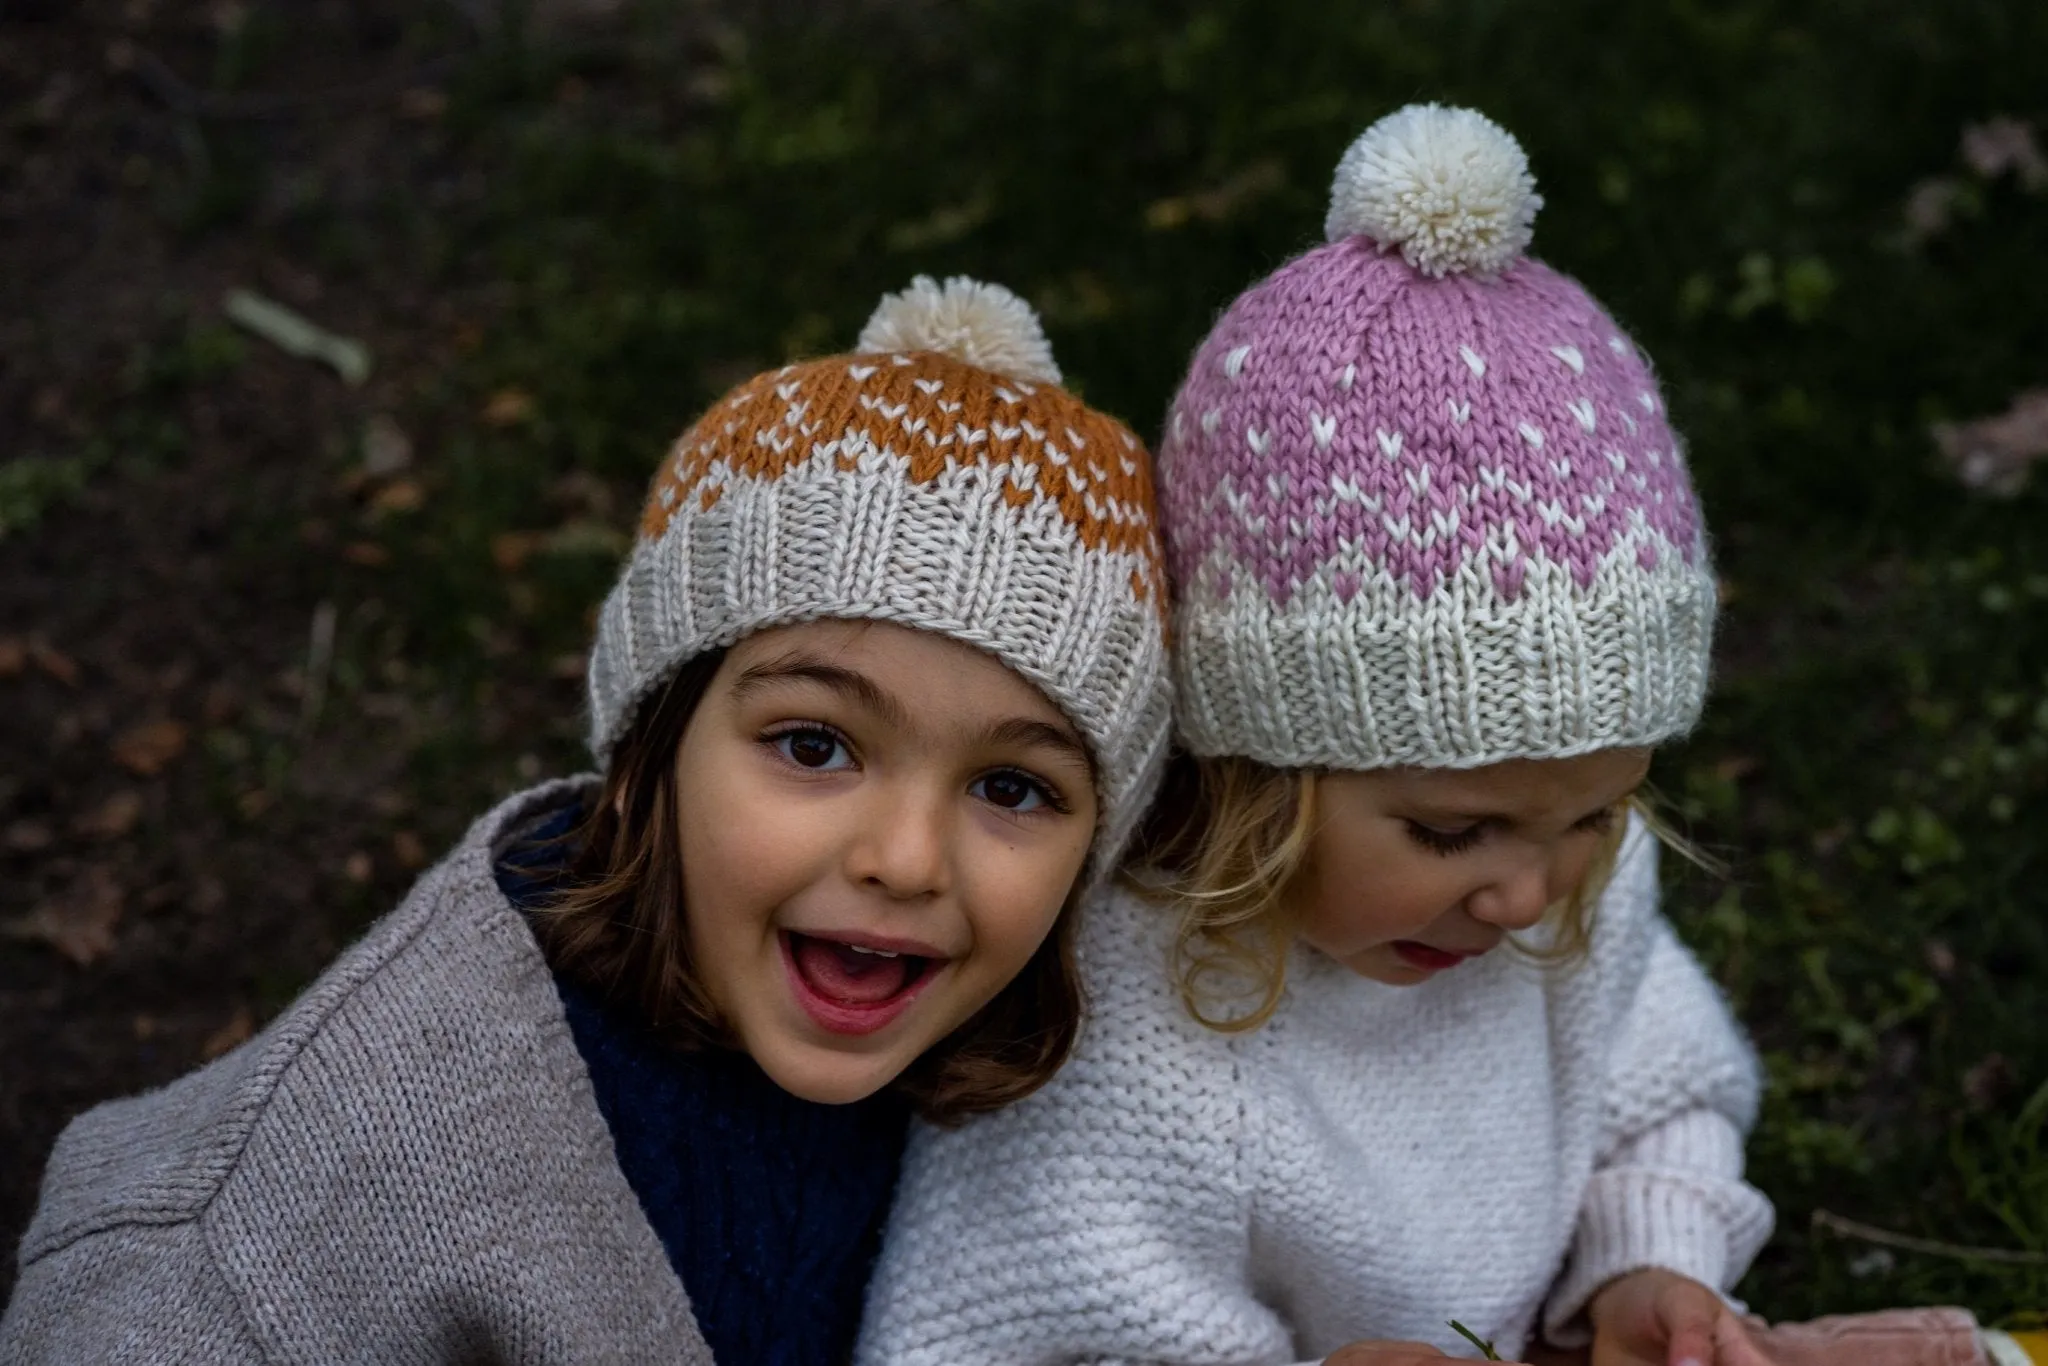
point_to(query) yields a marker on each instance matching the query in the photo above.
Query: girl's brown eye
(812, 751)
(1015, 791)
(813, 748)
(1006, 789)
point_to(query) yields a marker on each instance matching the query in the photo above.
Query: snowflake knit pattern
(910, 483)
(1421, 499)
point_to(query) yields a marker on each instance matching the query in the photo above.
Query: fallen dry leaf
(1825, 842)
(112, 818)
(366, 553)
(148, 749)
(1218, 202)
(1993, 454)
(508, 408)
(586, 537)
(400, 495)
(386, 447)
(13, 656)
(53, 662)
(422, 104)
(582, 491)
(220, 703)
(1735, 767)
(27, 837)
(568, 667)
(407, 849)
(78, 922)
(233, 1034)
(510, 550)
(358, 868)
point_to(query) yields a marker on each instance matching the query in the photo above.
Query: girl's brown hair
(615, 925)
(1221, 845)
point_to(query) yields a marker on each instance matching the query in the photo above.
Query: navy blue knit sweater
(770, 1207)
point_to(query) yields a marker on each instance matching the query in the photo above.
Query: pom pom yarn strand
(1449, 188)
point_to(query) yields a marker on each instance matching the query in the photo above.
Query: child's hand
(1658, 1318)
(1378, 1353)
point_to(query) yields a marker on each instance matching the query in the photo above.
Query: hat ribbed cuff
(950, 555)
(1456, 680)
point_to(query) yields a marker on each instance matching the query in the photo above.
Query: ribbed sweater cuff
(1632, 1220)
(1675, 1200)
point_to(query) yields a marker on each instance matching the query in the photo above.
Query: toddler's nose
(1514, 901)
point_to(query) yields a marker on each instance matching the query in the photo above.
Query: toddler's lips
(853, 984)
(1427, 958)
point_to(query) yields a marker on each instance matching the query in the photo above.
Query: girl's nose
(1516, 899)
(901, 846)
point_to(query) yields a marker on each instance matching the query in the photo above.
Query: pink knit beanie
(1420, 497)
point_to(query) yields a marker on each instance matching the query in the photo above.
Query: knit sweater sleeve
(1105, 1219)
(1680, 1094)
(132, 1292)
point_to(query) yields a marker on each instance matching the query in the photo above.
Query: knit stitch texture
(911, 487)
(770, 1206)
(1489, 1146)
(1433, 520)
(408, 1168)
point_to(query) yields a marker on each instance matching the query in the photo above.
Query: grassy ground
(564, 245)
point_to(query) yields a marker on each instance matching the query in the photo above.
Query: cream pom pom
(1449, 187)
(981, 324)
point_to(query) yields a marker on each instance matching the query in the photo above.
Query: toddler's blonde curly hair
(1223, 843)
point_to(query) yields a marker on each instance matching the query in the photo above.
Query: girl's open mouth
(850, 988)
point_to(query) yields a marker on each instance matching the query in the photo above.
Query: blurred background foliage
(1775, 196)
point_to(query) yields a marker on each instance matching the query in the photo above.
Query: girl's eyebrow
(857, 687)
(1029, 730)
(798, 667)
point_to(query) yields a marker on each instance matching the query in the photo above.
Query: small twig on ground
(1905, 1242)
(298, 336)
(319, 661)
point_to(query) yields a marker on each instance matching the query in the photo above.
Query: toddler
(1386, 1028)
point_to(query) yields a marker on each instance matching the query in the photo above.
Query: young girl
(1390, 1031)
(627, 1076)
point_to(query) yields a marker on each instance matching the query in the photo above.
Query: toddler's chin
(1379, 964)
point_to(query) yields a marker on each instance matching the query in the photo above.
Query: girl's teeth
(874, 953)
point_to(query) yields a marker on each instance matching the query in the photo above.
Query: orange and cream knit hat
(939, 478)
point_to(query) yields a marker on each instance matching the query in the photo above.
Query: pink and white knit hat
(1420, 497)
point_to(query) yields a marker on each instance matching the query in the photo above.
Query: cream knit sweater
(1490, 1146)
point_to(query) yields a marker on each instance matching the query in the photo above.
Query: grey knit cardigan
(408, 1165)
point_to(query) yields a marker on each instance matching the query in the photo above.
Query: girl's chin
(825, 1076)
